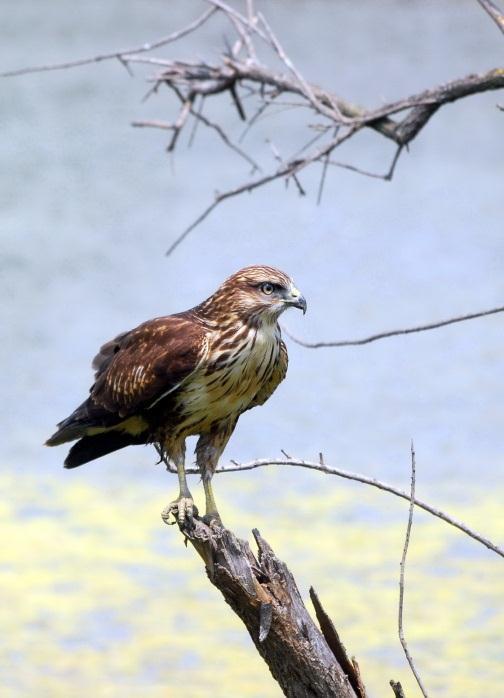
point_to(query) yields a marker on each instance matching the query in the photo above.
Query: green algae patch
(100, 596)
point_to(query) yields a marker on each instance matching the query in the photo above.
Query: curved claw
(182, 508)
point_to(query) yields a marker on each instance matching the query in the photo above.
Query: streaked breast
(234, 374)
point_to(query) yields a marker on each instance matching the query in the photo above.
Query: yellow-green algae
(98, 596)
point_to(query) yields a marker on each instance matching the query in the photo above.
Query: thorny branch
(241, 74)
(401, 577)
(322, 467)
(392, 333)
(205, 80)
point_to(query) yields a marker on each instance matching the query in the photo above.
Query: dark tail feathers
(76, 425)
(91, 447)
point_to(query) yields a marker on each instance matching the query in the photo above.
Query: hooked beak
(301, 304)
(297, 300)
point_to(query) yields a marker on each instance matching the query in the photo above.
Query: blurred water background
(97, 594)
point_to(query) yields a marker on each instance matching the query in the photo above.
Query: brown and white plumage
(192, 373)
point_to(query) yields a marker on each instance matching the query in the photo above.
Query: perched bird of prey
(192, 373)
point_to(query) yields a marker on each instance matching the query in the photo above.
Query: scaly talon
(182, 508)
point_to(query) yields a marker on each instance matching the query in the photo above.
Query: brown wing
(277, 376)
(102, 360)
(138, 368)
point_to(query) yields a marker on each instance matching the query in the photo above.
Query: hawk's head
(257, 294)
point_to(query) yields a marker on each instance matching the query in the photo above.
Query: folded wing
(134, 371)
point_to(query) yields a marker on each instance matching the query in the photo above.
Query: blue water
(89, 206)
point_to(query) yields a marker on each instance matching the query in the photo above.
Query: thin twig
(387, 177)
(198, 115)
(401, 576)
(254, 118)
(391, 333)
(328, 470)
(279, 159)
(236, 101)
(219, 198)
(243, 41)
(358, 170)
(324, 168)
(186, 109)
(308, 144)
(115, 54)
(494, 12)
(325, 164)
(196, 122)
(163, 125)
(211, 124)
(332, 112)
(228, 10)
(394, 162)
(290, 169)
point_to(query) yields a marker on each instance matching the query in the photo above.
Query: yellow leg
(211, 512)
(182, 507)
(184, 487)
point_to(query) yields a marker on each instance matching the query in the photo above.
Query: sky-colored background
(100, 596)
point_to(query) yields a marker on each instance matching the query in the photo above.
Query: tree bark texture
(307, 662)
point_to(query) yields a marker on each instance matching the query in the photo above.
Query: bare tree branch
(262, 592)
(433, 99)
(398, 689)
(494, 12)
(205, 79)
(239, 71)
(401, 577)
(391, 333)
(328, 470)
(121, 55)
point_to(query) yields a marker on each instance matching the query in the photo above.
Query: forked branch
(305, 660)
(265, 82)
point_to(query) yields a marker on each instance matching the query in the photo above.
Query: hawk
(192, 373)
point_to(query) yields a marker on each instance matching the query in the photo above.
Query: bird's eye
(267, 288)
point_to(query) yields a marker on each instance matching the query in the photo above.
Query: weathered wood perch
(306, 662)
